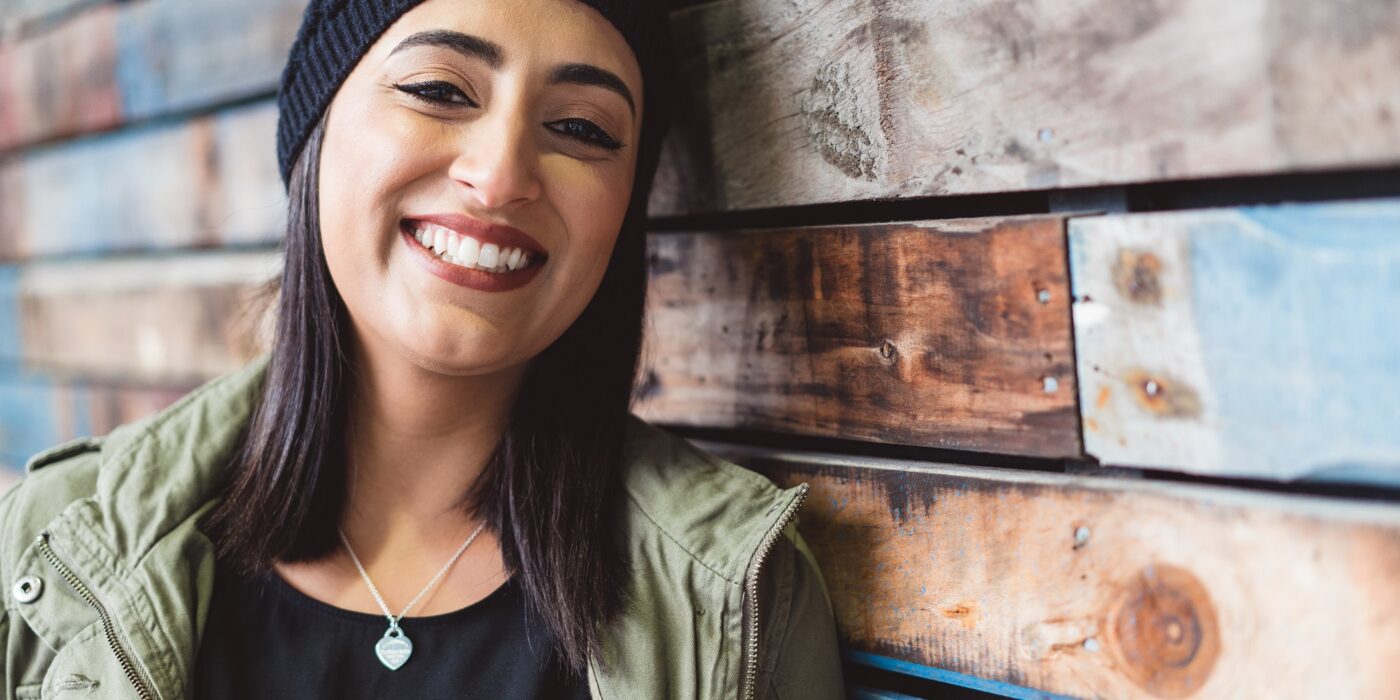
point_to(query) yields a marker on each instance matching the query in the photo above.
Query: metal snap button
(27, 588)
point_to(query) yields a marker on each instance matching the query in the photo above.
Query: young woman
(432, 485)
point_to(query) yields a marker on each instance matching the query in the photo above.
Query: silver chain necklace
(394, 648)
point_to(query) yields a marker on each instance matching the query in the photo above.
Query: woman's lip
(503, 236)
(461, 276)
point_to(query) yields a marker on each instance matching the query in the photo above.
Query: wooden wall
(1081, 318)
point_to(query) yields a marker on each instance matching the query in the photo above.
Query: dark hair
(552, 489)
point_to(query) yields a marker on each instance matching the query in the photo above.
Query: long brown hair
(552, 490)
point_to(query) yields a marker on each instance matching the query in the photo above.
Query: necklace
(394, 648)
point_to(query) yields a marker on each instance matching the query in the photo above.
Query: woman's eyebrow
(494, 56)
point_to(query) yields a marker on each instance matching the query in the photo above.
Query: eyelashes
(439, 93)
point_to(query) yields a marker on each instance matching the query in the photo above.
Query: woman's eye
(439, 92)
(436, 92)
(588, 132)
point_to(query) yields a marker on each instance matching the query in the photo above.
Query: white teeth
(469, 252)
(490, 254)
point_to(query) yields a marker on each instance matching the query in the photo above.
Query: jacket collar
(156, 475)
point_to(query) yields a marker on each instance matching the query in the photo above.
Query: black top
(266, 639)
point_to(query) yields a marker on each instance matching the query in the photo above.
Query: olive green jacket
(107, 580)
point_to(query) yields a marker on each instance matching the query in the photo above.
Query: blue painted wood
(950, 677)
(11, 345)
(141, 60)
(862, 693)
(208, 181)
(1270, 334)
(177, 55)
(27, 418)
(1301, 321)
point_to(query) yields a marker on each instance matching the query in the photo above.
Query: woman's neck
(416, 441)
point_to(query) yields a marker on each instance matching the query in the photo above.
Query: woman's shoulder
(657, 457)
(719, 512)
(702, 530)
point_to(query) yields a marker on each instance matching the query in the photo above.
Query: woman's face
(492, 126)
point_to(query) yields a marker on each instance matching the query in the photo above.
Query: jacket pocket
(86, 668)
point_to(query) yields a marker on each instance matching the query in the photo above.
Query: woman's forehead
(540, 32)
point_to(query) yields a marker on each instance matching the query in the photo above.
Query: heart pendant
(393, 649)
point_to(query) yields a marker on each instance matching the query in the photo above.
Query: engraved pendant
(394, 648)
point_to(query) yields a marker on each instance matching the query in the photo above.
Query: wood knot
(1164, 629)
(888, 351)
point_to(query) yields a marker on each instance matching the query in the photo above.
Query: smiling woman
(433, 485)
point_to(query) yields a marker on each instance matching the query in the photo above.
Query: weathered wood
(29, 421)
(811, 101)
(171, 320)
(38, 412)
(1260, 342)
(117, 63)
(208, 181)
(21, 17)
(60, 82)
(1096, 587)
(951, 333)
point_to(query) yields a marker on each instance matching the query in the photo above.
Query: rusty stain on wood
(1102, 400)
(965, 613)
(1163, 396)
(1137, 274)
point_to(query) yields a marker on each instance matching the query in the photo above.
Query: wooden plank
(950, 333)
(30, 419)
(208, 181)
(10, 343)
(60, 82)
(920, 333)
(23, 17)
(1095, 587)
(1256, 342)
(38, 411)
(812, 101)
(171, 320)
(117, 63)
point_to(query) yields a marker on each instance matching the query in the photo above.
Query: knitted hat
(334, 34)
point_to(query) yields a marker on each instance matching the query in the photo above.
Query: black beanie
(334, 34)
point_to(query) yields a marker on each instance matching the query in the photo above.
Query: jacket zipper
(751, 592)
(109, 626)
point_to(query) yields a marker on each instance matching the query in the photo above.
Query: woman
(432, 485)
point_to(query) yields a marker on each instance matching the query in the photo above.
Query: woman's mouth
(466, 261)
(465, 251)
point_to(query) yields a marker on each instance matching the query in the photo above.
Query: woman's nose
(497, 164)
